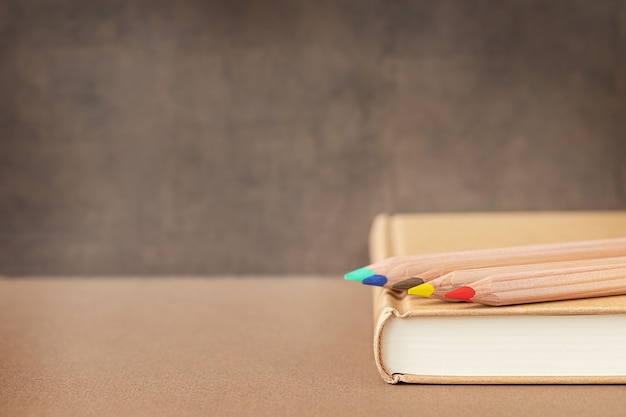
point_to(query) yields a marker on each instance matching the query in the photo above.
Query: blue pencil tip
(378, 280)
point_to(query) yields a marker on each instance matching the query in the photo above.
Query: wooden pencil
(554, 285)
(392, 272)
(438, 287)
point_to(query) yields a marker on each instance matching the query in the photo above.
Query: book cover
(591, 319)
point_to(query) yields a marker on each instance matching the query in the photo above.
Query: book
(420, 340)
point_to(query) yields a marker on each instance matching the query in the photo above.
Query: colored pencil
(391, 272)
(438, 287)
(564, 284)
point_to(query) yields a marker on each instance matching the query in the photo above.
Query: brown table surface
(258, 346)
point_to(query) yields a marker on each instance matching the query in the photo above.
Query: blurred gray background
(244, 137)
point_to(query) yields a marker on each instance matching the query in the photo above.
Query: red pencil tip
(463, 293)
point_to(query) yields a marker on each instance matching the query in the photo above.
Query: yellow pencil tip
(424, 290)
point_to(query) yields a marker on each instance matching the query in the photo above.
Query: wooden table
(292, 346)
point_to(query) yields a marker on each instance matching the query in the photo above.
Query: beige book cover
(405, 234)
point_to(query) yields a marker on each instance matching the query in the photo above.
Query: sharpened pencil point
(463, 294)
(424, 290)
(359, 274)
(378, 280)
(407, 283)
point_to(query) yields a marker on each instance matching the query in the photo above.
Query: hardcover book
(418, 340)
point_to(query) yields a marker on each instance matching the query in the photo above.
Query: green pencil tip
(359, 274)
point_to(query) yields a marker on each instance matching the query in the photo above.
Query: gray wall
(205, 137)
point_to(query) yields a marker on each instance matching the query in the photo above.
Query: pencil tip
(424, 290)
(463, 294)
(359, 274)
(407, 283)
(378, 280)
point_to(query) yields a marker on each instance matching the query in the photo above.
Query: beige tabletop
(259, 346)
